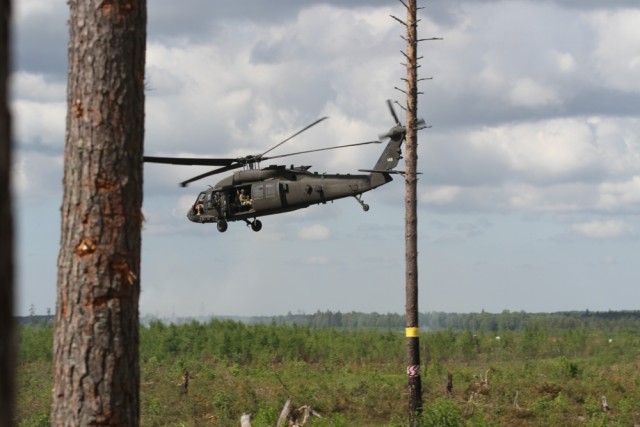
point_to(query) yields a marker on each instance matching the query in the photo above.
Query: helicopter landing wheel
(222, 226)
(365, 207)
(256, 225)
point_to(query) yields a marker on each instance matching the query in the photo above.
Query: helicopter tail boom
(380, 173)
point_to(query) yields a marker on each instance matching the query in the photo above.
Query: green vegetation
(544, 369)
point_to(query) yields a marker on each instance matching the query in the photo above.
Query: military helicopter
(255, 192)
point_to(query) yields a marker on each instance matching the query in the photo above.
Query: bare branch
(399, 20)
(401, 106)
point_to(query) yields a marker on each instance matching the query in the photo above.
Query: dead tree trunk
(7, 327)
(411, 219)
(96, 332)
(411, 216)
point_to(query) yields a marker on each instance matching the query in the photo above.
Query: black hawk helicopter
(255, 192)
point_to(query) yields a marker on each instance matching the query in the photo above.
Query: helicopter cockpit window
(198, 206)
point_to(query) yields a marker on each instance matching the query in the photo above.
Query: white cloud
(527, 92)
(620, 196)
(556, 198)
(257, 86)
(608, 229)
(40, 123)
(563, 165)
(617, 56)
(566, 62)
(439, 195)
(314, 232)
(491, 79)
(37, 176)
(34, 87)
(556, 149)
(25, 8)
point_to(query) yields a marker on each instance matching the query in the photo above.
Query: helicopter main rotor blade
(190, 161)
(292, 136)
(322, 149)
(226, 163)
(213, 172)
(393, 112)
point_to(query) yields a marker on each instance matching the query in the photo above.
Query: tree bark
(7, 326)
(96, 373)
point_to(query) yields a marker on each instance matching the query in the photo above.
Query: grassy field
(532, 377)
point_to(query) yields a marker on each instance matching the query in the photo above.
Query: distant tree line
(475, 322)
(433, 321)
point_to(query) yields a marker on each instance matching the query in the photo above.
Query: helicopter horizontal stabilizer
(377, 171)
(383, 171)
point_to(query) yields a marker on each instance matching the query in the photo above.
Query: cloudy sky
(529, 197)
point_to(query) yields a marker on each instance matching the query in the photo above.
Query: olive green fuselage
(274, 190)
(252, 193)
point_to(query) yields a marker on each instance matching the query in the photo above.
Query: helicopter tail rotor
(399, 130)
(393, 132)
(393, 112)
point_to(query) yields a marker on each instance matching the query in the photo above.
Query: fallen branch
(295, 417)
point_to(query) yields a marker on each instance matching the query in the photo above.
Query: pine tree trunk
(7, 336)
(96, 332)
